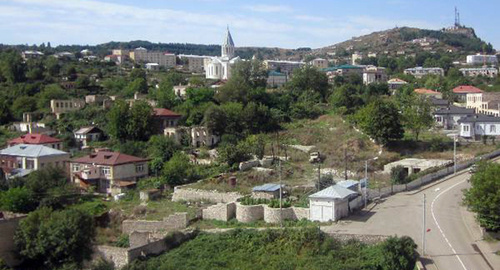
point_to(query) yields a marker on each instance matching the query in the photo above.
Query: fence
(428, 178)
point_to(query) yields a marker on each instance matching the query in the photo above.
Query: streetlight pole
(281, 195)
(454, 153)
(423, 227)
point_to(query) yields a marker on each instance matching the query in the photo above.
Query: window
(106, 171)
(75, 167)
(466, 128)
(493, 128)
(139, 168)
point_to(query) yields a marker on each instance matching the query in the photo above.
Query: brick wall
(220, 211)
(190, 194)
(173, 222)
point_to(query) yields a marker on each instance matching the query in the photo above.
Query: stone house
(59, 106)
(267, 191)
(462, 91)
(85, 135)
(201, 136)
(164, 118)
(484, 103)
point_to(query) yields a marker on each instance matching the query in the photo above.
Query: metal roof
(348, 183)
(479, 118)
(333, 192)
(267, 188)
(31, 150)
(454, 110)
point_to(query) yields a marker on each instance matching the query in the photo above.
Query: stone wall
(275, 215)
(301, 213)
(249, 213)
(220, 211)
(246, 165)
(364, 238)
(173, 222)
(190, 194)
(118, 256)
(7, 246)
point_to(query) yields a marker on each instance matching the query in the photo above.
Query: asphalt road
(453, 239)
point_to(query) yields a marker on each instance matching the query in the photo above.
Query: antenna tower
(457, 18)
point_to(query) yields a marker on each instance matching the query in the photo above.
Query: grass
(233, 224)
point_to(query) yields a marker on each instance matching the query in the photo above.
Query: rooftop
(34, 138)
(108, 158)
(333, 192)
(348, 183)
(31, 150)
(165, 112)
(465, 89)
(426, 91)
(454, 110)
(397, 81)
(479, 118)
(267, 188)
(86, 130)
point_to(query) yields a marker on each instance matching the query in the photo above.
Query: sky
(285, 24)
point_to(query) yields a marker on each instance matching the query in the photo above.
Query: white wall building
(480, 59)
(419, 72)
(483, 71)
(475, 127)
(219, 68)
(484, 103)
(330, 204)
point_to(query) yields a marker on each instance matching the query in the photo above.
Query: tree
(417, 114)
(309, 80)
(12, 67)
(82, 82)
(138, 85)
(18, 200)
(118, 117)
(51, 91)
(178, 170)
(52, 66)
(165, 96)
(140, 122)
(381, 121)
(23, 104)
(399, 175)
(346, 99)
(54, 238)
(398, 253)
(484, 195)
(161, 147)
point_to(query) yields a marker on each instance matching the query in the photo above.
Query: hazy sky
(287, 24)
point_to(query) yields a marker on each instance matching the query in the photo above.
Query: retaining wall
(220, 211)
(275, 215)
(190, 194)
(364, 238)
(173, 222)
(249, 213)
(301, 213)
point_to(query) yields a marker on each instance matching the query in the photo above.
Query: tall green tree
(380, 120)
(12, 67)
(309, 80)
(417, 114)
(484, 195)
(140, 122)
(118, 117)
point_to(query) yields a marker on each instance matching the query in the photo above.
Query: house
(286, 67)
(461, 91)
(31, 55)
(349, 184)
(356, 58)
(59, 106)
(448, 117)
(31, 157)
(372, 74)
(490, 72)
(438, 103)
(276, 79)
(416, 165)
(484, 103)
(108, 172)
(419, 72)
(396, 83)
(152, 66)
(319, 63)
(342, 70)
(85, 135)
(37, 139)
(428, 93)
(478, 59)
(201, 136)
(330, 204)
(164, 118)
(267, 191)
(474, 127)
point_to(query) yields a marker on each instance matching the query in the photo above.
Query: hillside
(407, 40)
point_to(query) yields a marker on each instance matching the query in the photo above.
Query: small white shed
(330, 204)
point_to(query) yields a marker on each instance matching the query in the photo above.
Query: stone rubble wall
(247, 165)
(173, 222)
(364, 238)
(118, 256)
(190, 194)
(249, 213)
(275, 215)
(220, 211)
(301, 213)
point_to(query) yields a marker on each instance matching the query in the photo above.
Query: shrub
(399, 175)
(275, 203)
(247, 200)
(19, 200)
(123, 241)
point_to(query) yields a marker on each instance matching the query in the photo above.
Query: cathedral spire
(227, 49)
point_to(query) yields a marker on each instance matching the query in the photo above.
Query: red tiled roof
(34, 138)
(165, 112)
(108, 158)
(464, 89)
(425, 91)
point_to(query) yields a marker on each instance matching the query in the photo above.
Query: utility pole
(319, 176)
(454, 153)
(345, 162)
(423, 228)
(281, 196)
(366, 181)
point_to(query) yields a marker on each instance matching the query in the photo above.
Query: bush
(123, 241)
(247, 200)
(19, 200)
(275, 203)
(399, 175)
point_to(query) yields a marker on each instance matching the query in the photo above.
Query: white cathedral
(219, 68)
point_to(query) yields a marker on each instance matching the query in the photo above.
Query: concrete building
(267, 191)
(31, 158)
(343, 70)
(482, 71)
(164, 118)
(480, 59)
(108, 172)
(201, 136)
(474, 127)
(395, 84)
(180, 90)
(37, 139)
(276, 79)
(152, 66)
(372, 74)
(356, 58)
(142, 55)
(462, 91)
(85, 135)
(419, 72)
(319, 63)
(484, 103)
(416, 165)
(448, 118)
(195, 63)
(428, 93)
(31, 55)
(60, 106)
(330, 204)
(219, 68)
(286, 67)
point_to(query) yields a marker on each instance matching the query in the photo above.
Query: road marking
(439, 227)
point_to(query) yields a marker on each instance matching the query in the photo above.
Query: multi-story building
(31, 55)
(462, 91)
(60, 106)
(480, 59)
(372, 74)
(419, 72)
(396, 83)
(276, 79)
(356, 58)
(201, 136)
(30, 157)
(490, 72)
(286, 67)
(477, 126)
(319, 63)
(164, 118)
(195, 63)
(343, 70)
(108, 172)
(484, 103)
(142, 55)
(37, 139)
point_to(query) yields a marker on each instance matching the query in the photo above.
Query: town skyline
(284, 24)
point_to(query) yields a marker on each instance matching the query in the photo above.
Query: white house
(85, 135)
(447, 118)
(479, 59)
(330, 204)
(476, 126)
(419, 72)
